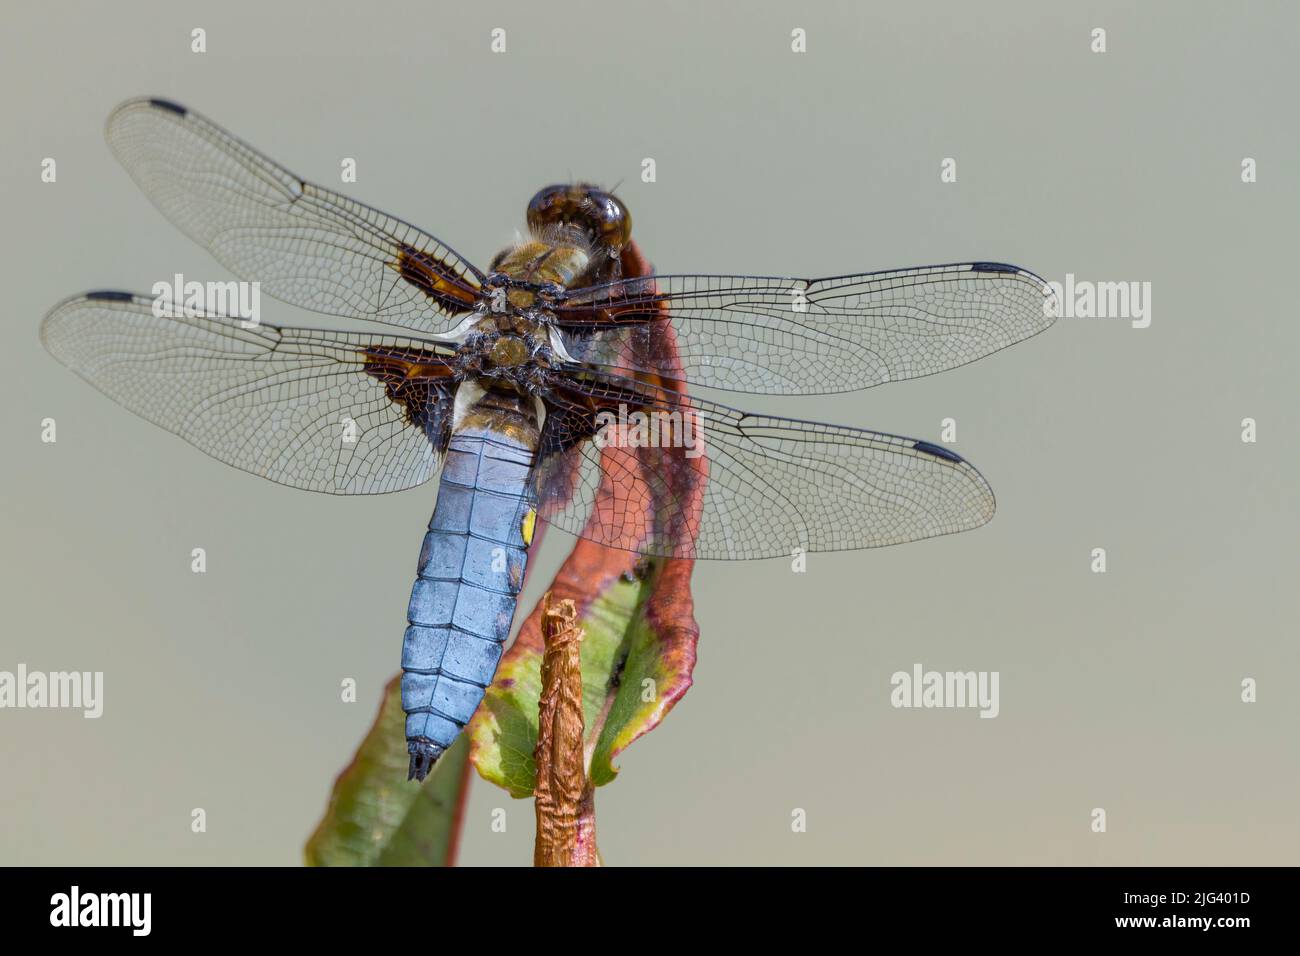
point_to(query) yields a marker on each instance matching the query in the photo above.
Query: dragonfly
(529, 386)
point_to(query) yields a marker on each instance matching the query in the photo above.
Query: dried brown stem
(564, 800)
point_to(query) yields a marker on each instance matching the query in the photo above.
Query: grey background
(1118, 690)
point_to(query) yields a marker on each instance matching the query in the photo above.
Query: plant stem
(564, 798)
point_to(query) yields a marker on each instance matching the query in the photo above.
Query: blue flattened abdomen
(470, 572)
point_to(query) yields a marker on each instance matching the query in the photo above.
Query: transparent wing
(808, 336)
(324, 411)
(707, 481)
(305, 244)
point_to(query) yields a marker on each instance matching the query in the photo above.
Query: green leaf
(637, 658)
(376, 817)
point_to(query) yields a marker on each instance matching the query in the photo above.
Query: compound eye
(551, 205)
(600, 216)
(615, 221)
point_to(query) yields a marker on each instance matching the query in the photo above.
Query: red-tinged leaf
(376, 817)
(637, 659)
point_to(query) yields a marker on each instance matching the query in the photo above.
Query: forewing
(304, 244)
(808, 336)
(325, 411)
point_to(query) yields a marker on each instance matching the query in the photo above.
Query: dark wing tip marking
(994, 267)
(938, 452)
(168, 105)
(109, 295)
(1005, 268)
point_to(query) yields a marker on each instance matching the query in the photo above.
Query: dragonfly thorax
(510, 349)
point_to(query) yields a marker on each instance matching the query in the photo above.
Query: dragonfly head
(577, 234)
(600, 217)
